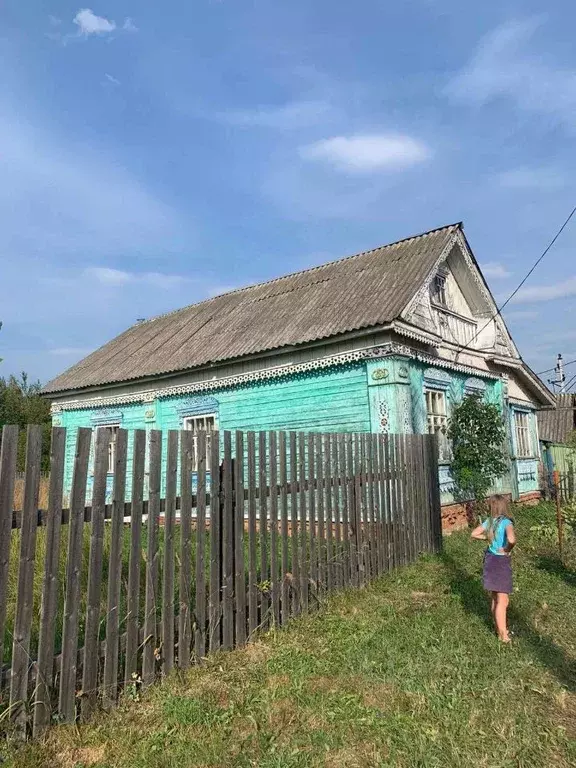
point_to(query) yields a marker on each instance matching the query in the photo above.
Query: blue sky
(155, 154)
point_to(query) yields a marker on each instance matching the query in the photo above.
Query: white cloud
(90, 24)
(129, 25)
(544, 179)
(501, 68)
(366, 153)
(538, 293)
(296, 114)
(117, 278)
(495, 270)
(111, 79)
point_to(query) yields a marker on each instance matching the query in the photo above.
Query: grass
(405, 673)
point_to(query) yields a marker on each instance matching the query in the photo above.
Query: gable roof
(556, 424)
(361, 291)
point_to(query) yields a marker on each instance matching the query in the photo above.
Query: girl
(499, 532)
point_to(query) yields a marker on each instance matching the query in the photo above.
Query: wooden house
(555, 427)
(387, 340)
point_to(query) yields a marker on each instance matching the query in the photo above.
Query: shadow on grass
(554, 566)
(475, 600)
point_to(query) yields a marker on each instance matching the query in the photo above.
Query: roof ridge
(297, 273)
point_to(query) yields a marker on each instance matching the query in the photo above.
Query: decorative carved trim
(349, 358)
(106, 417)
(197, 406)
(473, 386)
(436, 378)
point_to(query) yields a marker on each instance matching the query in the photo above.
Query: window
(437, 418)
(439, 289)
(113, 430)
(523, 442)
(197, 424)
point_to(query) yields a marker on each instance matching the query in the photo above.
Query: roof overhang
(524, 372)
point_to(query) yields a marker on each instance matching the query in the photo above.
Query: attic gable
(462, 312)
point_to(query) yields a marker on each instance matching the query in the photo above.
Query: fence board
(263, 586)
(133, 597)
(67, 696)
(321, 522)
(252, 537)
(49, 606)
(352, 461)
(8, 456)
(313, 541)
(392, 446)
(239, 575)
(303, 543)
(384, 501)
(377, 513)
(110, 685)
(364, 527)
(25, 599)
(187, 461)
(200, 611)
(435, 488)
(328, 514)
(409, 506)
(228, 545)
(346, 497)
(337, 506)
(152, 559)
(91, 640)
(296, 602)
(284, 557)
(214, 624)
(428, 469)
(168, 570)
(274, 585)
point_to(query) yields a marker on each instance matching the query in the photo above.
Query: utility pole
(560, 380)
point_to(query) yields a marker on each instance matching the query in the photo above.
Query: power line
(572, 380)
(515, 291)
(549, 370)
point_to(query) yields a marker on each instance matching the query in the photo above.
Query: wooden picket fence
(197, 552)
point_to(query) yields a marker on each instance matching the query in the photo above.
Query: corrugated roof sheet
(556, 425)
(358, 292)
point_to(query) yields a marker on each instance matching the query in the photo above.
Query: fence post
(24, 604)
(559, 520)
(42, 705)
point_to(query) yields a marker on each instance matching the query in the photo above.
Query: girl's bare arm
(479, 533)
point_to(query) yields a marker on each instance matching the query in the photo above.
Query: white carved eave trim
(416, 334)
(369, 353)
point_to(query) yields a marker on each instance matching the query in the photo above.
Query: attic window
(439, 289)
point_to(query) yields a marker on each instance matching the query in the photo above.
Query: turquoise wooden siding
(384, 395)
(132, 418)
(327, 401)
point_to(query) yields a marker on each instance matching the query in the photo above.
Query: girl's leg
(493, 605)
(502, 601)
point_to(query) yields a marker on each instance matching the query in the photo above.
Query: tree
(21, 403)
(478, 436)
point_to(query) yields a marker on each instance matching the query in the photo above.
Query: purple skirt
(497, 573)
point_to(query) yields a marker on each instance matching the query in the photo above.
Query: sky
(153, 155)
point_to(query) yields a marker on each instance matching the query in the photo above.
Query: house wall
(334, 400)
(380, 395)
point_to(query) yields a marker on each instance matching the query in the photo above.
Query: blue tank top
(500, 539)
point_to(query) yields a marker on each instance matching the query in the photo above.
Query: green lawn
(405, 673)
